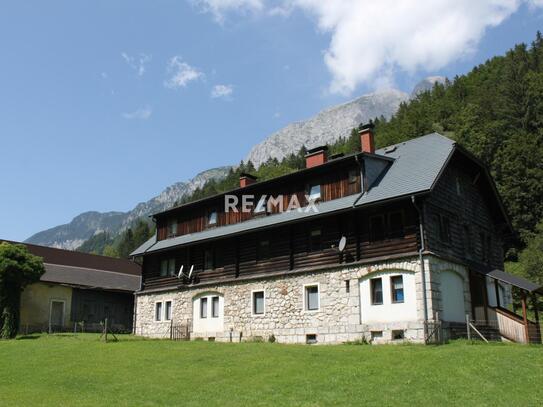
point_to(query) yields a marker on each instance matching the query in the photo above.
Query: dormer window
(212, 218)
(172, 228)
(261, 206)
(314, 192)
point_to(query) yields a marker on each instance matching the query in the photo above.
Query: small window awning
(516, 281)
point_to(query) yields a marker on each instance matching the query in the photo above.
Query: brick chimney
(246, 179)
(315, 156)
(367, 143)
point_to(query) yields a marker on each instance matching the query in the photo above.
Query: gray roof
(90, 278)
(516, 281)
(416, 167)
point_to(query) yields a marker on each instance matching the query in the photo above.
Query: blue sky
(105, 103)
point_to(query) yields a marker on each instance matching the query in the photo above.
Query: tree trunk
(9, 317)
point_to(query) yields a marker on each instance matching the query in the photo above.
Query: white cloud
(371, 41)
(222, 91)
(219, 8)
(181, 73)
(137, 63)
(142, 113)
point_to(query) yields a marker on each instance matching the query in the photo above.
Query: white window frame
(253, 303)
(207, 301)
(305, 297)
(211, 298)
(165, 313)
(161, 314)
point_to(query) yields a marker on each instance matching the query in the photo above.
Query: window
(395, 224)
(315, 240)
(261, 206)
(167, 267)
(203, 307)
(212, 218)
(377, 228)
(258, 302)
(376, 335)
(398, 335)
(376, 285)
(263, 251)
(444, 228)
(214, 307)
(312, 298)
(310, 339)
(172, 228)
(396, 285)
(348, 286)
(353, 176)
(168, 311)
(158, 311)
(314, 192)
(208, 260)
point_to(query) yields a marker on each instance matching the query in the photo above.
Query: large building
(386, 243)
(81, 289)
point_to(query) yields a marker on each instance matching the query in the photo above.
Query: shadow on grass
(36, 336)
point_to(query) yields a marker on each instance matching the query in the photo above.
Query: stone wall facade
(337, 320)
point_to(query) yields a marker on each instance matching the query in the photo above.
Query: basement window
(376, 285)
(311, 339)
(376, 335)
(398, 335)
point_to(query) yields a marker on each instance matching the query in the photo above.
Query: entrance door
(57, 315)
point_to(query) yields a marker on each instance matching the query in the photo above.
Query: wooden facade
(344, 180)
(295, 246)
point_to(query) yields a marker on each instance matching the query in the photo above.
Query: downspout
(421, 260)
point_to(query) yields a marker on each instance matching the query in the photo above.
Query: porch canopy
(515, 281)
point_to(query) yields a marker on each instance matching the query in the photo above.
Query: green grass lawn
(81, 370)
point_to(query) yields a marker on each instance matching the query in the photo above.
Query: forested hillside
(496, 112)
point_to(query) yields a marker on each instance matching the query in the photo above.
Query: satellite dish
(180, 272)
(191, 271)
(342, 243)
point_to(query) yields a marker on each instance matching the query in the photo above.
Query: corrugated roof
(516, 281)
(416, 167)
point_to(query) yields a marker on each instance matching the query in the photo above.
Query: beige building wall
(36, 305)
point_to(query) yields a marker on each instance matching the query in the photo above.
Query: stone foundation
(338, 319)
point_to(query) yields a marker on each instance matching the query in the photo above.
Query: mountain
(73, 234)
(327, 126)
